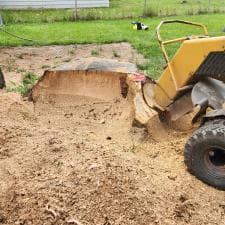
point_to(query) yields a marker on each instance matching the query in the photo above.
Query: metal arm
(182, 22)
(167, 42)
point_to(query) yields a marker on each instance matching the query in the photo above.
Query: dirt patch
(17, 61)
(83, 163)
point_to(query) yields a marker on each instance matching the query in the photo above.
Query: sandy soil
(85, 164)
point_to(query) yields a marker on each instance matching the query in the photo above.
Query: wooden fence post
(145, 7)
(75, 10)
(209, 6)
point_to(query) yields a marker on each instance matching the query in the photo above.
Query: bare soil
(86, 164)
(17, 61)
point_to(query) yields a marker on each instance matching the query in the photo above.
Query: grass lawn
(118, 9)
(109, 31)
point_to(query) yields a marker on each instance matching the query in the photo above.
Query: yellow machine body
(181, 69)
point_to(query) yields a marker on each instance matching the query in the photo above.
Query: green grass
(118, 9)
(111, 31)
(28, 81)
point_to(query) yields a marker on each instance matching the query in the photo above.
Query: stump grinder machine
(191, 83)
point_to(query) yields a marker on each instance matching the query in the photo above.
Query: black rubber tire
(198, 149)
(2, 80)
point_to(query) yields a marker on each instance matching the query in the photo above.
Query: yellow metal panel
(186, 61)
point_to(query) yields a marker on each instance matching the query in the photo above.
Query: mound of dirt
(76, 159)
(84, 164)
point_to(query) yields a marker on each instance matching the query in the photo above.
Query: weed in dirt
(71, 52)
(67, 60)
(28, 81)
(11, 65)
(135, 147)
(20, 56)
(59, 165)
(20, 70)
(95, 52)
(45, 67)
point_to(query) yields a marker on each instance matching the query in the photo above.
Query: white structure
(52, 4)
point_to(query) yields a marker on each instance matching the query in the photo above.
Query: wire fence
(118, 9)
(182, 7)
(151, 8)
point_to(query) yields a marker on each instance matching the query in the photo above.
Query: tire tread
(212, 130)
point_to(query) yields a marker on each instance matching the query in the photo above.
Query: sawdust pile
(84, 164)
